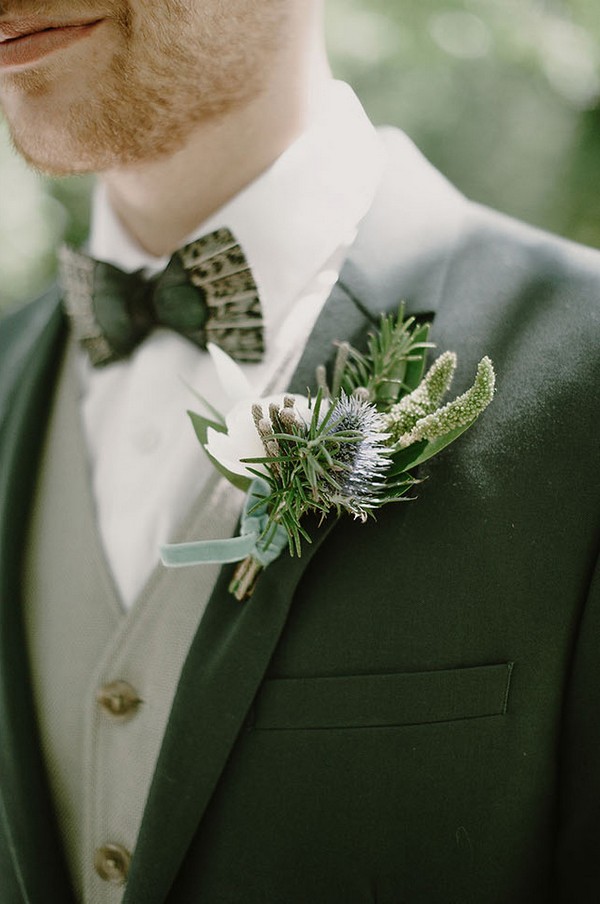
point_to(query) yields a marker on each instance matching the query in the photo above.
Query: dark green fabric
(128, 307)
(350, 734)
(372, 701)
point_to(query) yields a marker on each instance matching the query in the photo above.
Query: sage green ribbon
(259, 538)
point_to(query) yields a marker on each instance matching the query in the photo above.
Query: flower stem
(244, 579)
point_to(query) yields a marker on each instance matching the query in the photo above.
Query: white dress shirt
(295, 223)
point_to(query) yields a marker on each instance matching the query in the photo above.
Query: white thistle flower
(362, 461)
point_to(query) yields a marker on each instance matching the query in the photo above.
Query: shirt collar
(293, 217)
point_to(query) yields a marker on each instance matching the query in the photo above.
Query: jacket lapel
(224, 669)
(401, 254)
(26, 815)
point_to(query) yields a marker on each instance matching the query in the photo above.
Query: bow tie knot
(206, 293)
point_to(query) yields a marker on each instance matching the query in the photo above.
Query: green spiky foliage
(393, 363)
(336, 462)
(379, 420)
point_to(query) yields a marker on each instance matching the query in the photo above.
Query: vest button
(111, 862)
(118, 699)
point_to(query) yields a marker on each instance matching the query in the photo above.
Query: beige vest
(100, 763)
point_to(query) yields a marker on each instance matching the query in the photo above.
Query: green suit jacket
(408, 714)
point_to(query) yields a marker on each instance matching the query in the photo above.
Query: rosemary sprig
(381, 373)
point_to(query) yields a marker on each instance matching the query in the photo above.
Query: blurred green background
(502, 95)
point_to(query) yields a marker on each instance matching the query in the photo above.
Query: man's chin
(66, 148)
(52, 158)
(44, 144)
(59, 157)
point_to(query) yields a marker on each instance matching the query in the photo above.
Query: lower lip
(31, 48)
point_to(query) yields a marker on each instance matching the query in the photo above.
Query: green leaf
(242, 483)
(216, 415)
(201, 425)
(395, 494)
(415, 366)
(404, 460)
(440, 443)
(424, 450)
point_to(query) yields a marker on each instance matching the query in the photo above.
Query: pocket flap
(368, 701)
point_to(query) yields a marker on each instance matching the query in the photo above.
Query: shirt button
(111, 862)
(119, 699)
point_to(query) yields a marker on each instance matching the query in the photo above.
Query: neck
(161, 202)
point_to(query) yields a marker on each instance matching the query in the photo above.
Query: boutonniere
(349, 447)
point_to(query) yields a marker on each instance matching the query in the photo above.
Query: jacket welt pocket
(371, 701)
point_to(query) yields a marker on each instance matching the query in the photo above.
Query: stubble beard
(147, 101)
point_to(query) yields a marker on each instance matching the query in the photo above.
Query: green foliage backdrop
(502, 95)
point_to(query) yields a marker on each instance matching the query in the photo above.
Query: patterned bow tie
(207, 293)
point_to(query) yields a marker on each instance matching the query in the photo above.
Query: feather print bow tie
(207, 293)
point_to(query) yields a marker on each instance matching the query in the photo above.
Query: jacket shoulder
(529, 252)
(21, 317)
(20, 332)
(534, 283)
(422, 231)
(26, 320)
